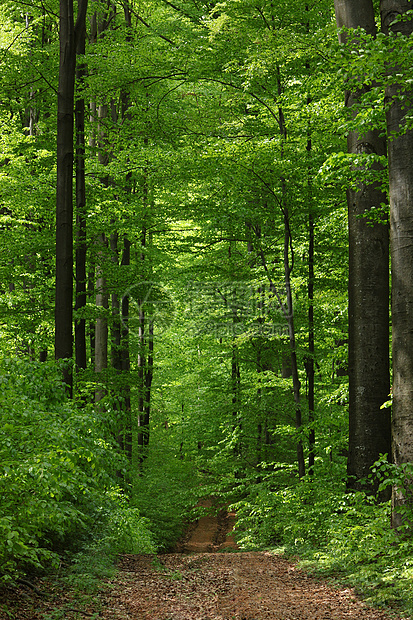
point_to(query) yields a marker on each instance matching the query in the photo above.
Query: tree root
(31, 585)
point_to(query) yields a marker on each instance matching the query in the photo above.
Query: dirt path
(210, 533)
(226, 586)
(204, 584)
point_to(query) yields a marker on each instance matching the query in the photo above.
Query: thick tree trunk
(369, 426)
(126, 433)
(64, 198)
(64, 187)
(102, 297)
(400, 147)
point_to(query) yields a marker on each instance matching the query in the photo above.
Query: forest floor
(209, 579)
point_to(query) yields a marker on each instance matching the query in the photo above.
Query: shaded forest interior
(201, 205)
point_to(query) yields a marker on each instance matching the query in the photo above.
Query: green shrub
(165, 493)
(294, 516)
(335, 532)
(57, 467)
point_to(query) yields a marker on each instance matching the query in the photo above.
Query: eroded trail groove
(226, 586)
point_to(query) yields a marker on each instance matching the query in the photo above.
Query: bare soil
(227, 586)
(208, 580)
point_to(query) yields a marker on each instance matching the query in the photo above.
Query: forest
(206, 282)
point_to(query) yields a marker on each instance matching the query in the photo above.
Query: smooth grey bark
(354, 14)
(368, 289)
(400, 148)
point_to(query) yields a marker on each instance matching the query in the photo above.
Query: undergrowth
(165, 493)
(59, 484)
(343, 535)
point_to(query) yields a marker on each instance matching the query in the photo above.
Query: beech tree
(368, 335)
(203, 164)
(68, 31)
(398, 104)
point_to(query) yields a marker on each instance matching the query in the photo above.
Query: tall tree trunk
(149, 376)
(232, 304)
(291, 333)
(288, 268)
(91, 275)
(64, 186)
(289, 367)
(81, 245)
(369, 426)
(102, 297)
(125, 438)
(310, 361)
(126, 433)
(146, 343)
(310, 294)
(91, 292)
(400, 147)
(101, 325)
(145, 369)
(143, 420)
(64, 198)
(116, 359)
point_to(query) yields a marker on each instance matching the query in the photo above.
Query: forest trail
(226, 586)
(202, 583)
(208, 580)
(211, 532)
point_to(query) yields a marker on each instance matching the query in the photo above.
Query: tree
(68, 31)
(400, 146)
(81, 210)
(368, 336)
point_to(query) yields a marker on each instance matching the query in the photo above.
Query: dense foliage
(58, 473)
(215, 185)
